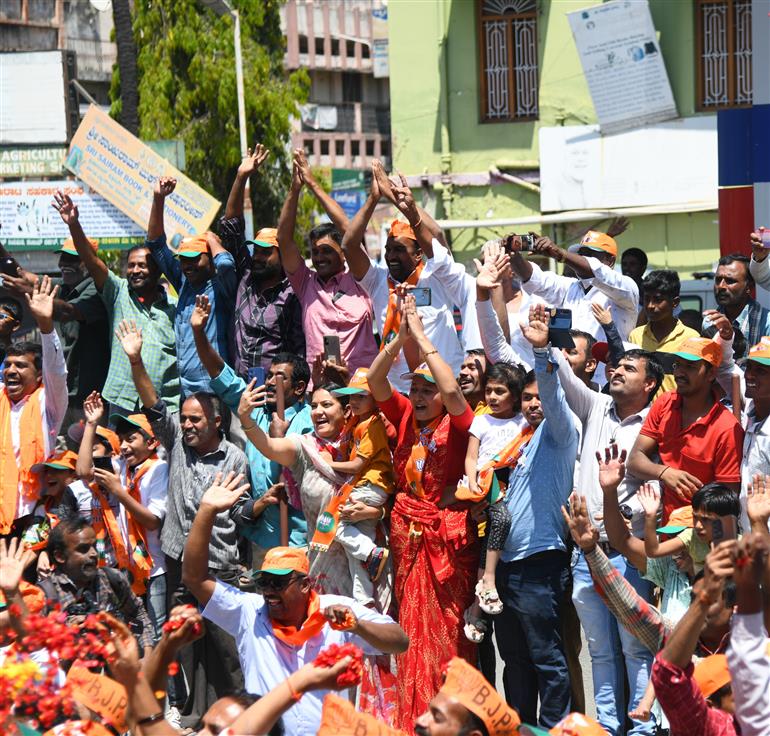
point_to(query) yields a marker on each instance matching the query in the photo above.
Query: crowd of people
(261, 478)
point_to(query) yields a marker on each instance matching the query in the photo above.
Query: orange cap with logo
(700, 348)
(267, 237)
(595, 240)
(711, 674)
(576, 724)
(761, 351)
(356, 385)
(66, 460)
(283, 560)
(68, 247)
(193, 246)
(422, 371)
(139, 421)
(400, 229)
(466, 685)
(340, 718)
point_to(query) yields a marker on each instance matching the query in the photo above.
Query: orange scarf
(393, 315)
(329, 519)
(415, 463)
(311, 626)
(508, 457)
(31, 451)
(134, 557)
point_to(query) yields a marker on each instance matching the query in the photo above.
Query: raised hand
(612, 467)
(547, 247)
(404, 200)
(93, 408)
(302, 166)
(224, 493)
(123, 660)
(758, 501)
(66, 208)
(491, 271)
(200, 313)
(602, 315)
(186, 626)
(536, 329)
(750, 559)
(310, 677)
(14, 559)
(164, 185)
(724, 326)
(719, 566)
(40, 303)
(618, 226)
(413, 319)
(384, 185)
(130, 337)
(583, 532)
(253, 160)
(758, 250)
(649, 498)
(253, 396)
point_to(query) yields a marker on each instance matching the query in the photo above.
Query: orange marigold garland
(334, 653)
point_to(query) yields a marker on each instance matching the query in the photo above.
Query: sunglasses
(265, 582)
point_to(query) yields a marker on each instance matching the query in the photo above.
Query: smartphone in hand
(332, 352)
(725, 527)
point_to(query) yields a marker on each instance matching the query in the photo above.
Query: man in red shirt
(696, 438)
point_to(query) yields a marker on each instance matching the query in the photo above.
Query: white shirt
(53, 404)
(84, 497)
(749, 667)
(494, 434)
(447, 281)
(153, 490)
(266, 661)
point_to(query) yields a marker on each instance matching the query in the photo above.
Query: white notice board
(623, 64)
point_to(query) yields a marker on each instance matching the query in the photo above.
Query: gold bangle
(417, 224)
(248, 429)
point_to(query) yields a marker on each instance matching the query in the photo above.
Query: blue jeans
(615, 652)
(528, 635)
(155, 598)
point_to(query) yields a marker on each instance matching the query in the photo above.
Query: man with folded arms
(285, 624)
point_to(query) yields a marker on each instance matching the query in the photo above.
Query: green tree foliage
(187, 90)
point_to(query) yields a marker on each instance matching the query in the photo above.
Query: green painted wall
(433, 48)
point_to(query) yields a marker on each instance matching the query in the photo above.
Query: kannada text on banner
(31, 223)
(124, 170)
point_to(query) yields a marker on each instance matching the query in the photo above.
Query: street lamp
(223, 7)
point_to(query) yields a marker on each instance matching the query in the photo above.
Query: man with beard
(33, 401)
(285, 623)
(733, 284)
(81, 321)
(471, 380)
(81, 587)
(606, 419)
(197, 453)
(268, 315)
(443, 279)
(140, 298)
(289, 374)
(201, 266)
(689, 438)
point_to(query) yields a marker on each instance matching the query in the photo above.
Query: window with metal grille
(508, 59)
(723, 63)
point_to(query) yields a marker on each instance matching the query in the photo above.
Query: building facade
(472, 82)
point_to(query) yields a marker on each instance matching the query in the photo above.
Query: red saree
(436, 570)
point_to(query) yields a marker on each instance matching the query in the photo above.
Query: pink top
(338, 307)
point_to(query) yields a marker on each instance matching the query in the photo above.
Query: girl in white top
(502, 431)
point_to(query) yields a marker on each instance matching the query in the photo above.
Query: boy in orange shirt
(371, 466)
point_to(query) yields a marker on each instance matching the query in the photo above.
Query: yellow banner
(123, 170)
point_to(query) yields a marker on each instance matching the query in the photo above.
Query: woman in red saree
(434, 542)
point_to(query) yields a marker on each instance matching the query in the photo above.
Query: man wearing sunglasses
(285, 624)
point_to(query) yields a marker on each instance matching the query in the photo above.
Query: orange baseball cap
(76, 429)
(192, 247)
(466, 685)
(283, 560)
(66, 460)
(761, 351)
(340, 718)
(137, 421)
(577, 724)
(711, 674)
(356, 385)
(422, 371)
(400, 229)
(600, 242)
(68, 247)
(267, 237)
(679, 520)
(700, 348)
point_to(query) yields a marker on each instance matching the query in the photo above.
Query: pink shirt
(338, 307)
